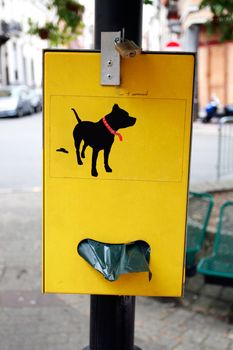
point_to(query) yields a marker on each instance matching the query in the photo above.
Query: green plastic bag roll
(112, 260)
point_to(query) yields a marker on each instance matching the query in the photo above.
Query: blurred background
(203, 318)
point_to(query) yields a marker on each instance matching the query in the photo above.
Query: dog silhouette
(100, 135)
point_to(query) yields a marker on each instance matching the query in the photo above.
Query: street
(21, 152)
(204, 153)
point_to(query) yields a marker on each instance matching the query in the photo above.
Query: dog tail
(76, 115)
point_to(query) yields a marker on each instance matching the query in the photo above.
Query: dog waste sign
(116, 167)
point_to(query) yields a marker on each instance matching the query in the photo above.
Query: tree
(222, 21)
(67, 25)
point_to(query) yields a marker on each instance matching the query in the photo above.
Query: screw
(109, 76)
(110, 63)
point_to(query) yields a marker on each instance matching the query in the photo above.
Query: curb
(212, 186)
(195, 187)
(20, 190)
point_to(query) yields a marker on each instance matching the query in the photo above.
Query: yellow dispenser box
(144, 197)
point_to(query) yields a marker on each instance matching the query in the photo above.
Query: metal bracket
(110, 58)
(113, 45)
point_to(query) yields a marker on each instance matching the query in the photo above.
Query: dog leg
(106, 156)
(77, 146)
(83, 150)
(94, 159)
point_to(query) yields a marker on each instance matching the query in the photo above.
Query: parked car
(36, 99)
(15, 101)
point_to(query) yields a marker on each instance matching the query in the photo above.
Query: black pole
(111, 316)
(112, 323)
(113, 15)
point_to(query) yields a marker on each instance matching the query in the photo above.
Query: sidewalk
(32, 321)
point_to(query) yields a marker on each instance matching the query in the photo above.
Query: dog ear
(115, 107)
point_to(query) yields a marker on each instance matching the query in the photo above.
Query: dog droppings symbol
(62, 150)
(100, 135)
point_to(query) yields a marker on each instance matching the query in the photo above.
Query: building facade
(214, 58)
(20, 53)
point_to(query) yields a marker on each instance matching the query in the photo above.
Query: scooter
(228, 110)
(213, 109)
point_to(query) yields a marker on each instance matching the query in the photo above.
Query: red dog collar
(111, 130)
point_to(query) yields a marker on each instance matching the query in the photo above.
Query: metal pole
(114, 15)
(219, 151)
(111, 316)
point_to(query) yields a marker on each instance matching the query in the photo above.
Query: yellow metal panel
(145, 195)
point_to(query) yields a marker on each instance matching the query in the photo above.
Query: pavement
(31, 321)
